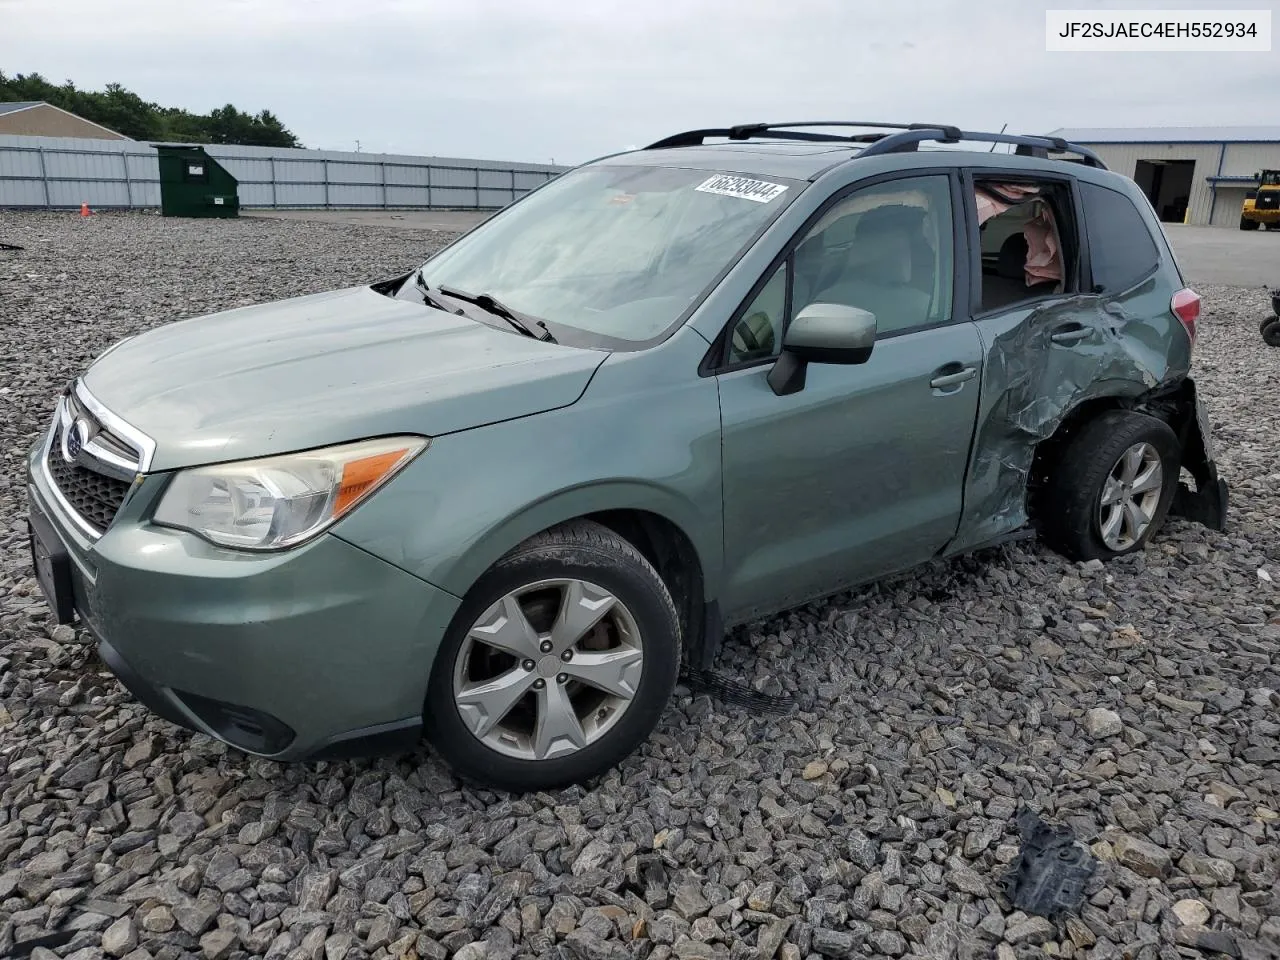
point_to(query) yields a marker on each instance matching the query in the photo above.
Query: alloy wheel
(1130, 496)
(548, 669)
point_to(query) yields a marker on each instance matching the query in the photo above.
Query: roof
(1087, 135)
(20, 105)
(17, 105)
(795, 161)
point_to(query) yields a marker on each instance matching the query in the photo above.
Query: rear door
(1085, 315)
(861, 472)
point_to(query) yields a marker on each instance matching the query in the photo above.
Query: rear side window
(1121, 250)
(1027, 240)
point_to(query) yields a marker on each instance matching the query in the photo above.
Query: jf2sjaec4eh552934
(501, 498)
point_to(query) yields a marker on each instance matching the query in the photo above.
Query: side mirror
(822, 333)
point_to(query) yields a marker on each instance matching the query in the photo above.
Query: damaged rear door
(1103, 329)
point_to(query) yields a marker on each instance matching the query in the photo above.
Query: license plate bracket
(52, 565)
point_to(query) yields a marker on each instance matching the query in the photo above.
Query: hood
(324, 369)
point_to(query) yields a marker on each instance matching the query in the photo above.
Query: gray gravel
(1137, 703)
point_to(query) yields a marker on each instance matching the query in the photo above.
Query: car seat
(883, 273)
(1012, 260)
(1009, 285)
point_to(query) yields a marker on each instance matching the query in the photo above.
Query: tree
(125, 112)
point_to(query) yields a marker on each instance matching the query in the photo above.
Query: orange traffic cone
(84, 210)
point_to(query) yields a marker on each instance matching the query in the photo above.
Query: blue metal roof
(19, 105)
(1086, 135)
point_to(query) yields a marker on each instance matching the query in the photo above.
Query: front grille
(94, 496)
(102, 436)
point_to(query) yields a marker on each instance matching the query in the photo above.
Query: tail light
(1186, 307)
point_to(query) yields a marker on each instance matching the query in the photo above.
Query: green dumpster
(193, 184)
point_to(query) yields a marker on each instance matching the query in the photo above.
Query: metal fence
(63, 172)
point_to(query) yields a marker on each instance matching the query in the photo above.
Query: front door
(860, 473)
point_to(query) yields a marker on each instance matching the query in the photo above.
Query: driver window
(885, 248)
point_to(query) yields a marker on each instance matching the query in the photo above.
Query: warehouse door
(1167, 184)
(1227, 203)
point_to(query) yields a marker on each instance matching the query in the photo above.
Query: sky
(568, 80)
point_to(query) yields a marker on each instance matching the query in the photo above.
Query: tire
(1248, 224)
(1267, 321)
(1271, 333)
(1070, 504)
(642, 617)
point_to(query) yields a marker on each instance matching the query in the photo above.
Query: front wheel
(1246, 224)
(1271, 332)
(557, 665)
(1110, 489)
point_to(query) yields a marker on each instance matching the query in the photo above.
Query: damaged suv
(503, 497)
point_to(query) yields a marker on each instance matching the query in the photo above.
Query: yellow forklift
(1262, 206)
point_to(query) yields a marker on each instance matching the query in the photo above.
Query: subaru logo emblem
(74, 440)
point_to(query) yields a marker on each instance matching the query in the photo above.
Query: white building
(1192, 174)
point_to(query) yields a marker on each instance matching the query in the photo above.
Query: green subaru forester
(505, 497)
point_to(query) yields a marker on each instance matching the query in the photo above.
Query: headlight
(281, 501)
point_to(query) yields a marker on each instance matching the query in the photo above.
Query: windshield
(1271, 178)
(619, 253)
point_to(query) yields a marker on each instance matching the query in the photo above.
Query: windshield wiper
(521, 321)
(429, 298)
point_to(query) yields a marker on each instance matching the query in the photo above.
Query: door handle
(1070, 334)
(953, 379)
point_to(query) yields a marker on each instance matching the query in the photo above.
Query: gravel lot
(1136, 703)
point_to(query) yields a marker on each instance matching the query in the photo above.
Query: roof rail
(1027, 146)
(791, 131)
(908, 137)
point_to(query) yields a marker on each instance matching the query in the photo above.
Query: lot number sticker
(761, 191)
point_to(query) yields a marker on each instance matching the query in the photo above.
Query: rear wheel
(558, 664)
(1246, 224)
(1109, 490)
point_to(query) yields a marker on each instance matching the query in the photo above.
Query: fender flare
(573, 503)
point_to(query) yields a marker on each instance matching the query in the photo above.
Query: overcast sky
(534, 80)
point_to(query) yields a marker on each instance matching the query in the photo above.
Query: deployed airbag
(1044, 252)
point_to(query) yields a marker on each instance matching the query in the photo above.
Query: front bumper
(1262, 216)
(319, 651)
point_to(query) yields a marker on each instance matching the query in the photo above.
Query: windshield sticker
(760, 191)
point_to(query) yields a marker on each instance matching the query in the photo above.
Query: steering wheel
(745, 341)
